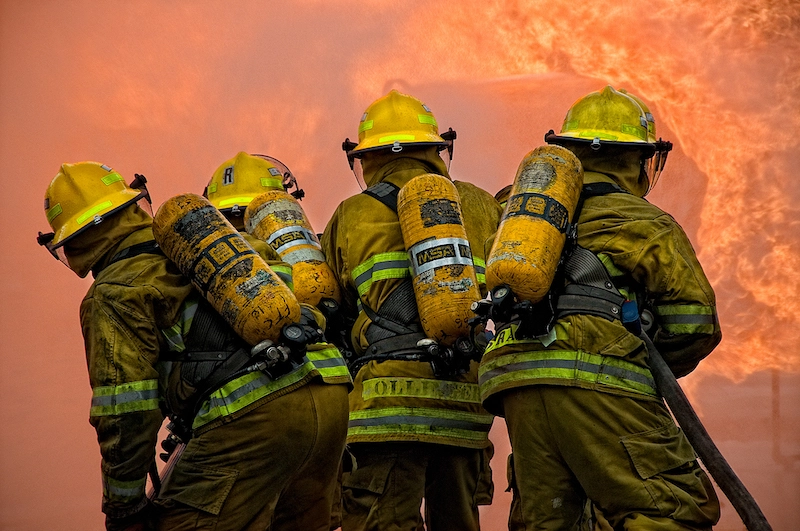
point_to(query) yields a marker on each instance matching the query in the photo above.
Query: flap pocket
(372, 478)
(200, 487)
(656, 451)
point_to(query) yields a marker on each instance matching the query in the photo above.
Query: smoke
(723, 77)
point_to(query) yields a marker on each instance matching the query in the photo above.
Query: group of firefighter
(338, 380)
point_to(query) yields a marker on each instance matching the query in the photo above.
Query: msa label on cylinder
(283, 239)
(433, 254)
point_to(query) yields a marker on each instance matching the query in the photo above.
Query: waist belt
(401, 347)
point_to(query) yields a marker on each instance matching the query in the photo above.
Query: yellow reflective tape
(391, 138)
(382, 257)
(53, 212)
(613, 270)
(111, 178)
(235, 201)
(267, 182)
(426, 119)
(92, 211)
(685, 309)
(365, 126)
(420, 388)
(212, 188)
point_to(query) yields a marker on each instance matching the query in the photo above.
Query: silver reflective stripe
(304, 237)
(123, 491)
(125, 398)
(440, 252)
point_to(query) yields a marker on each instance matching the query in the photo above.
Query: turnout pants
(624, 454)
(385, 489)
(274, 468)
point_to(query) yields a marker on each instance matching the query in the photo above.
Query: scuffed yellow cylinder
(220, 263)
(278, 219)
(445, 284)
(532, 231)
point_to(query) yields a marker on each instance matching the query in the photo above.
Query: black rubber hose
(718, 467)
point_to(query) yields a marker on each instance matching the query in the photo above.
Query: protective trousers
(626, 455)
(274, 468)
(384, 491)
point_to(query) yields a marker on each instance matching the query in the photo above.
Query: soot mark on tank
(288, 215)
(537, 175)
(194, 226)
(439, 212)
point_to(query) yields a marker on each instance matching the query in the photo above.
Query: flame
(725, 79)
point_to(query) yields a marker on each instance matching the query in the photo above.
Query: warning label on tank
(440, 212)
(432, 254)
(538, 206)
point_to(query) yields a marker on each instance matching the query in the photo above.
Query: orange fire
(723, 77)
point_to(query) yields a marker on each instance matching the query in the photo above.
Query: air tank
(220, 263)
(445, 284)
(533, 229)
(278, 219)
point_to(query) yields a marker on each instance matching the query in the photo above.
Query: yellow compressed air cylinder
(445, 284)
(220, 263)
(532, 231)
(278, 219)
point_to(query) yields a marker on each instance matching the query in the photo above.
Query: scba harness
(582, 285)
(395, 333)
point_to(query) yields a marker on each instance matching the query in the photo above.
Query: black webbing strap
(384, 192)
(148, 247)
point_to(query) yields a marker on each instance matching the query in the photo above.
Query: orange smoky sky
(172, 89)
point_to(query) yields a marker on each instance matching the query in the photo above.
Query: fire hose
(715, 463)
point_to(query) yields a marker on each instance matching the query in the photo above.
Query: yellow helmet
(618, 118)
(239, 180)
(397, 121)
(82, 195)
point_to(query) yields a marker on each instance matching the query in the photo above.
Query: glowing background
(172, 89)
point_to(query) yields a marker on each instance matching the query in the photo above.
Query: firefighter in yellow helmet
(236, 183)
(155, 347)
(583, 414)
(414, 432)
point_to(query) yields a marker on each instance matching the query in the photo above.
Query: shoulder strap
(148, 247)
(384, 192)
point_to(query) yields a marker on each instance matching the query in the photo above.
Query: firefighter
(584, 418)
(417, 430)
(263, 445)
(234, 185)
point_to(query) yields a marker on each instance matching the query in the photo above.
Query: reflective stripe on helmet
(418, 422)
(126, 398)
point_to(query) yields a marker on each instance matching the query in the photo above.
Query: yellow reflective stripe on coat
(175, 333)
(480, 269)
(687, 318)
(125, 398)
(420, 421)
(284, 272)
(405, 387)
(381, 267)
(550, 366)
(123, 491)
(243, 391)
(397, 265)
